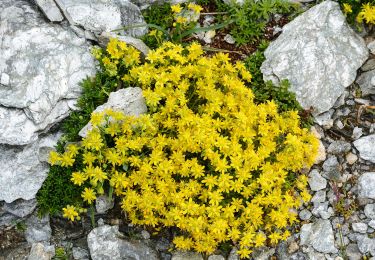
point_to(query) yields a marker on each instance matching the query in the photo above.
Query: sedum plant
(361, 12)
(205, 159)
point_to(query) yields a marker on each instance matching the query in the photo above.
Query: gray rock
(45, 63)
(305, 214)
(99, 16)
(319, 197)
(41, 252)
(80, 253)
(129, 101)
(319, 235)
(339, 147)
(330, 164)
(20, 208)
(369, 65)
(366, 244)
(372, 223)
(319, 54)
(103, 203)
(229, 39)
(357, 133)
(145, 234)
(4, 79)
(359, 227)
(38, 229)
(324, 119)
(182, 255)
(370, 211)
(366, 185)
(366, 147)
(216, 257)
(366, 82)
(106, 242)
(23, 173)
(50, 10)
(371, 47)
(316, 181)
(352, 252)
(233, 254)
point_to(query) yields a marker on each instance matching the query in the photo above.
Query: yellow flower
(89, 158)
(194, 7)
(70, 212)
(66, 160)
(176, 8)
(89, 195)
(54, 158)
(78, 178)
(347, 8)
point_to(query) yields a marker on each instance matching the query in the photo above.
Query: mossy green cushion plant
(206, 159)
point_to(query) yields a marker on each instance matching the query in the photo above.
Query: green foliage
(356, 13)
(61, 254)
(58, 191)
(250, 19)
(159, 14)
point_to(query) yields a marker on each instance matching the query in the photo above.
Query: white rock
(370, 211)
(321, 153)
(50, 9)
(216, 257)
(106, 242)
(351, 158)
(366, 185)
(229, 39)
(40, 252)
(319, 235)
(316, 181)
(103, 203)
(45, 63)
(366, 147)
(319, 54)
(359, 227)
(129, 101)
(99, 16)
(22, 170)
(38, 229)
(182, 255)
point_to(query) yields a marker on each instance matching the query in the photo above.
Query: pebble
(316, 181)
(359, 227)
(229, 39)
(351, 158)
(305, 214)
(370, 211)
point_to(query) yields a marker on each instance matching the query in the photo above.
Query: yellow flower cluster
(184, 15)
(366, 14)
(118, 56)
(205, 159)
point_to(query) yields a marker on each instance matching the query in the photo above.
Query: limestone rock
(44, 63)
(366, 185)
(316, 181)
(50, 10)
(20, 208)
(38, 229)
(106, 242)
(129, 101)
(99, 16)
(319, 235)
(41, 252)
(366, 147)
(370, 211)
(22, 170)
(182, 255)
(366, 82)
(319, 54)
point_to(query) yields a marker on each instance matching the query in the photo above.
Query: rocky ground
(44, 50)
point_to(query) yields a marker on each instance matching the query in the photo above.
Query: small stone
(351, 158)
(40, 252)
(370, 211)
(359, 227)
(366, 185)
(80, 253)
(182, 255)
(320, 209)
(38, 229)
(371, 47)
(4, 80)
(305, 214)
(293, 247)
(339, 124)
(145, 234)
(324, 120)
(319, 196)
(339, 147)
(208, 36)
(366, 147)
(319, 235)
(20, 208)
(357, 133)
(352, 252)
(331, 164)
(229, 39)
(372, 223)
(369, 65)
(216, 257)
(321, 153)
(103, 204)
(366, 244)
(316, 181)
(233, 254)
